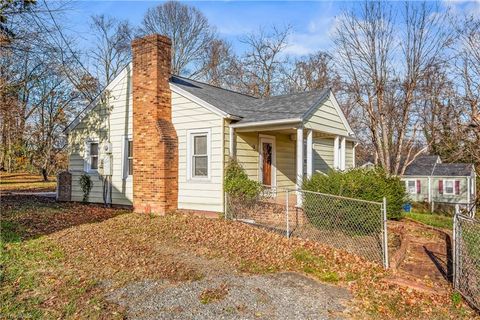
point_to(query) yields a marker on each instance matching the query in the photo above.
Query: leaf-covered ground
(59, 261)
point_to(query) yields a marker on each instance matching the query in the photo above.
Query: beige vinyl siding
(349, 161)
(322, 154)
(94, 126)
(326, 119)
(198, 194)
(247, 144)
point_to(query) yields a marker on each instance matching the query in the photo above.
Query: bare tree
(216, 67)
(383, 68)
(189, 30)
(259, 69)
(313, 72)
(111, 51)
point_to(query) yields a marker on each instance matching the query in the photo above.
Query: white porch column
(299, 164)
(231, 142)
(309, 153)
(343, 149)
(336, 161)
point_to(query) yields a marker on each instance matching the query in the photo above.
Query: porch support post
(231, 142)
(309, 153)
(343, 148)
(299, 164)
(336, 161)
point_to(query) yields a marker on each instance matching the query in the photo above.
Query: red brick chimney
(155, 143)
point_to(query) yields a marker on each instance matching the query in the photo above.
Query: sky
(312, 22)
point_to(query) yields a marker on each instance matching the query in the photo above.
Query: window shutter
(440, 186)
(419, 186)
(457, 187)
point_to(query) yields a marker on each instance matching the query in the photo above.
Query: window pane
(130, 148)
(200, 166)
(200, 145)
(93, 149)
(94, 164)
(130, 167)
(448, 186)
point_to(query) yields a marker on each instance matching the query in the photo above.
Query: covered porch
(281, 154)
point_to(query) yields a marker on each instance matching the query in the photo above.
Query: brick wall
(155, 143)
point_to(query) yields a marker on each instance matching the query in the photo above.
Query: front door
(267, 165)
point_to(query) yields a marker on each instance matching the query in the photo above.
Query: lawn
(60, 260)
(434, 220)
(25, 182)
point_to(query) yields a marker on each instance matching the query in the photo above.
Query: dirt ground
(67, 260)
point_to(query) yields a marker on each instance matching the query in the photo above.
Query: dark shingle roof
(432, 166)
(453, 169)
(249, 108)
(422, 166)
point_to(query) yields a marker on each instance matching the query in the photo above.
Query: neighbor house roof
(432, 166)
(251, 109)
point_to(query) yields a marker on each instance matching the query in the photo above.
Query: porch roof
(250, 109)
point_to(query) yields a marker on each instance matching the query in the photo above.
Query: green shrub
(86, 185)
(371, 185)
(238, 184)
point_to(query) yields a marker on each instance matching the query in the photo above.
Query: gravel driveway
(285, 295)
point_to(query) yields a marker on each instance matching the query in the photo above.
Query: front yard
(83, 261)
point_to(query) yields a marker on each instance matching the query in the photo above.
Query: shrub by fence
(365, 184)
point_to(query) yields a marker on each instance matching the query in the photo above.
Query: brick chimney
(155, 143)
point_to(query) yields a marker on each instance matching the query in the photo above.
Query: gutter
(266, 122)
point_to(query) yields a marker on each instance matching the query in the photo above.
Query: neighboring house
(429, 180)
(168, 138)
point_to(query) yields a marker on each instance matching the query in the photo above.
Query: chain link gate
(466, 258)
(357, 226)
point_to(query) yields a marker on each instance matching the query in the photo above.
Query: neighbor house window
(199, 157)
(449, 187)
(130, 157)
(93, 155)
(411, 186)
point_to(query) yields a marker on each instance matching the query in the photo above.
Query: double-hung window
(199, 154)
(93, 154)
(411, 186)
(449, 187)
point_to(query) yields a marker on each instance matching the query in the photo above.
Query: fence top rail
(464, 217)
(336, 196)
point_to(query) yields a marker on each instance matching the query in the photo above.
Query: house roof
(432, 166)
(251, 109)
(244, 108)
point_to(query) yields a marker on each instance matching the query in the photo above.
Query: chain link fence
(466, 258)
(355, 225)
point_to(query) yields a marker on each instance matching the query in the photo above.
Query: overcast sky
(311, 22)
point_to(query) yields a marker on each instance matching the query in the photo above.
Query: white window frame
(126, 138)
(269, 139)
(445, 187)
(88, 156)
(190, 136)
(414, 186)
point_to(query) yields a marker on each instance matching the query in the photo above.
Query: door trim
(267, 138)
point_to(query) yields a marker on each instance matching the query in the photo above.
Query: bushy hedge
(366, 184)
(238, 184)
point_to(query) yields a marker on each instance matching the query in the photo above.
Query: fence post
(454, 251)
(288, 220)
(385, 235)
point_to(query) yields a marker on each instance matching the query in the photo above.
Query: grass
(25, 182)
(434, 220)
